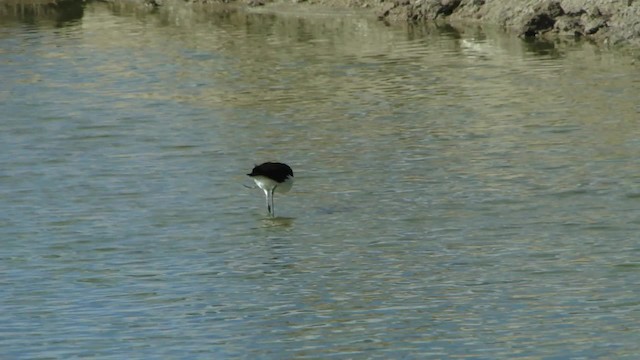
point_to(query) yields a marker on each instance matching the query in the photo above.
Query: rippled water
(458, 194)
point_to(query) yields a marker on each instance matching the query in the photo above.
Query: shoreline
(601, 21)
(604, 22)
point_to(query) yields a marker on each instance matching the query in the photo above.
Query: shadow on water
(419, 31)
(542, 47)
(278, 221)
(61, 13)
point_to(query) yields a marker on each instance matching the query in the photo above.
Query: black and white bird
(272, 177)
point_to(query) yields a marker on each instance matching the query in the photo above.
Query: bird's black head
(253, 172)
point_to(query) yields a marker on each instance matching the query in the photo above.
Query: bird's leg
(266, 196)
(273, 209)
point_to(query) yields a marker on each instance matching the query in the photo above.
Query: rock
(591, 24)
(611, 21)
(568, 26)
(542, 19)
(385, 11)
(623, 27)
(394, 11)
(447, 7)
(432, 9)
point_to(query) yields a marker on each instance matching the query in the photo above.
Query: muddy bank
(607, 21)
(612, 22)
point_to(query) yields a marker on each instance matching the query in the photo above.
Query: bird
(272, 177)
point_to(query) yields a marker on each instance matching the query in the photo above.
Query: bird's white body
(267, 184)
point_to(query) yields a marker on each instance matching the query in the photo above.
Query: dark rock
(448, 7)
(543, 19)
(432, 9)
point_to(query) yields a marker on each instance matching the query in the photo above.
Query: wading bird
(272, 177)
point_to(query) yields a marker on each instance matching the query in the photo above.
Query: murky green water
(458, 195)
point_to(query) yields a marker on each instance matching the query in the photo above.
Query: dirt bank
(607, 21)
(612, 22)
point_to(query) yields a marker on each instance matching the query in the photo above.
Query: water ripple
(458, 194)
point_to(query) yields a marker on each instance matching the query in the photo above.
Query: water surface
(458, 193)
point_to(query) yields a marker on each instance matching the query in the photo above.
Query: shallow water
(458, 194)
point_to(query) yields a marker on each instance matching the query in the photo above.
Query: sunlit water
(457, 194)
